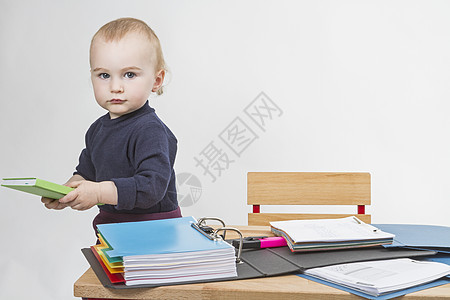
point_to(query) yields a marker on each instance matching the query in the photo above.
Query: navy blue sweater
(137, 152)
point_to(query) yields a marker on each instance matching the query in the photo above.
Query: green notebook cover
(37, 187)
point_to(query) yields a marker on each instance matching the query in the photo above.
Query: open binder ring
(201, 221)
(212, 234)
(241, 239)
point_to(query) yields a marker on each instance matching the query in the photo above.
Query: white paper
(329, 230)
(379, 277)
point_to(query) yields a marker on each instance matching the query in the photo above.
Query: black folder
(279, 261)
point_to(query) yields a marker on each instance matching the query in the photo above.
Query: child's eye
(130, 75)
(104, 75)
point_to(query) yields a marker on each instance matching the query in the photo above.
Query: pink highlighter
(261, 242)
(271, 242)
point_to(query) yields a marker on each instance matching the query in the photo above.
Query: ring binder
(212, 234)
(255, 263)
(202, 220)
(202, 224)
(241, 240)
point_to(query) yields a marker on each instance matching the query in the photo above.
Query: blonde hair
(117, 29)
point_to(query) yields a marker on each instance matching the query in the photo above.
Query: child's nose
(116, 86)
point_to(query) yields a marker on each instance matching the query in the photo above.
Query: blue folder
(156, 237)
(391, 295)
(421, 237)
(427, 237)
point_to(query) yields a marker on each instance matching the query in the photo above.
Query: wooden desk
(279, 287)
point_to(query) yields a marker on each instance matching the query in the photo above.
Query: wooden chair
(303, 188)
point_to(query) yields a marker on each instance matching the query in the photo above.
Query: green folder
(37, 187)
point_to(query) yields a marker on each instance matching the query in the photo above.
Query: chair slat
(308, 188)
(263, 219)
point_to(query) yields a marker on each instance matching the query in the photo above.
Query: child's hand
(53, 203)
(86, 195)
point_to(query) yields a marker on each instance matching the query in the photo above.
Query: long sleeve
(137, 152)
(85, 166)
(149, 154)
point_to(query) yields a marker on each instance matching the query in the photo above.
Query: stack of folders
(329, 234)
(378, 278)
(162, 252)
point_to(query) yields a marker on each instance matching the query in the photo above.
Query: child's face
(123, 73)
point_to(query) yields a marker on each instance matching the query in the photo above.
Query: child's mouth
(116, 101)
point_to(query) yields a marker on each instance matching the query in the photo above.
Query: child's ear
(159, 79)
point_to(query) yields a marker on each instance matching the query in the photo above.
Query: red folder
(114, 278)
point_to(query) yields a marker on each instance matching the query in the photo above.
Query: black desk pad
(278, 261)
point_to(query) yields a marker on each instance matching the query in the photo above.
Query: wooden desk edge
(294, 287)
(278, 287)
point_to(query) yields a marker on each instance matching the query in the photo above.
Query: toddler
(127, 165)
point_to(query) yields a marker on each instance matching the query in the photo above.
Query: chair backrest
(306, 188)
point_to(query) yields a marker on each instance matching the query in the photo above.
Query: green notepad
(37, 187)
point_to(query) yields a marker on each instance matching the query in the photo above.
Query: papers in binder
(329, 234)
(380, 277)
(164, 251)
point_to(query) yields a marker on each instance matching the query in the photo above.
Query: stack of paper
(329, 234)
(162, 252)
(381, 277)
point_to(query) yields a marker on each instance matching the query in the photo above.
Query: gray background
(360, 86)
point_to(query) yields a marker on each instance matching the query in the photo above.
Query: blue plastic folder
(391, 295)
(427, 237)
(421, 237)
(156, 237)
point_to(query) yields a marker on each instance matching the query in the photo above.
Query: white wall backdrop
(353, 86)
